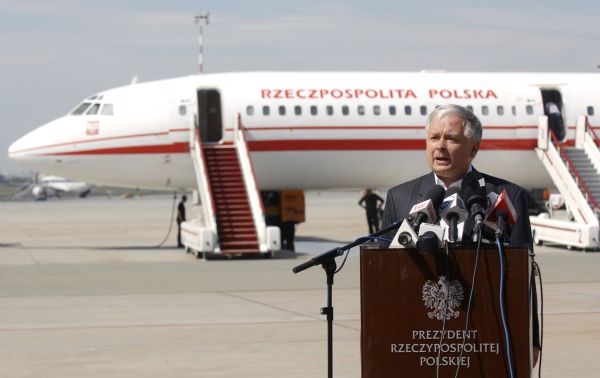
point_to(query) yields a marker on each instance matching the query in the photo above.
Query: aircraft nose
(18, 149)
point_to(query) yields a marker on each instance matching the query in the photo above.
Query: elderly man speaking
(453, 136)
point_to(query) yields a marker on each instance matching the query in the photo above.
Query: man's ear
(475, 150)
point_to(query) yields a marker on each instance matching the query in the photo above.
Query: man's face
(449, 151)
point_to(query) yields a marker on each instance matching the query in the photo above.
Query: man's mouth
(441, 159)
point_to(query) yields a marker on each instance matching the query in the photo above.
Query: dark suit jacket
(401, 198)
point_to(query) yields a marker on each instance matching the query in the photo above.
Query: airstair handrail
(572, 168)
(256, 204)
(204, 188)
(592, 131)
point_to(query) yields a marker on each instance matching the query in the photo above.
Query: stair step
(240, 251)
(233, 181)
(234, 213)
(230, 201)
(235, 220)
(228, 191)
(227, 230)
(238, 244)
(237, 237)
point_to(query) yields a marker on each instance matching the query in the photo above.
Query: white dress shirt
(461, 225)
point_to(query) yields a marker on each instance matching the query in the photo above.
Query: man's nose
(441, 144)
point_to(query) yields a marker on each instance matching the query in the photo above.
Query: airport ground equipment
(576, 173)
(416, 320)
(232, 221)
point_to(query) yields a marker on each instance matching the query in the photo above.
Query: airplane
(48, 186)
(302, 130)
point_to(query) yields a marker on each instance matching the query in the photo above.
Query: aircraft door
(209, 115)
(553, 109)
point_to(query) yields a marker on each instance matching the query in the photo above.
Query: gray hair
(472, 124)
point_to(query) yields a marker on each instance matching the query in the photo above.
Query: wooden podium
(403, 305)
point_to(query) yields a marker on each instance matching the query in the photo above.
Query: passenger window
(500, 110)
(249, 110)
(361, 110)
(345, 110)
(423, 110)
(329, 110)
(93, 109)
(313, 110)
(590, 110)
(392, 110)
(182, 109)
(107, 109)
(377, 110)
(81, 108)
(529, 109)
(281, 110)
(407, 110)
(298, 110)
(266, 110)
(484, 110)
(514, 110)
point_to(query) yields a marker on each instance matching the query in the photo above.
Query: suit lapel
(425, 185)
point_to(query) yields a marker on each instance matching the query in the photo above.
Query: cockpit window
(93, 109)
(81, 108)
(107, 109)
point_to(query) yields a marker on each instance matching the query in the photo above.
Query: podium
(405, 296)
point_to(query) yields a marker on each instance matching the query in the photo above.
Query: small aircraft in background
(52, 186)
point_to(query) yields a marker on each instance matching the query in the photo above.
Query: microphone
(453, 212)
(473, 189)
(428, 242)
(405, 237)
(502, 213)
(491, 196)
(426, 211)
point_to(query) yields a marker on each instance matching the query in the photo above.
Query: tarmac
(84, 292)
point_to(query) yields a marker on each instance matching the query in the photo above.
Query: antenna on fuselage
(200, 20)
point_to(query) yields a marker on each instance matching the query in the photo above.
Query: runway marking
(286, 310)
(571, 313)
(168, 325)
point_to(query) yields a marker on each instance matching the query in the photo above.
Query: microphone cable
(170, 222)
(541, 335)
(362, 239)
(469, 304)
(501, 304)
(446, 300)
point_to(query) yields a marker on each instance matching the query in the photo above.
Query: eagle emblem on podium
(442, 298)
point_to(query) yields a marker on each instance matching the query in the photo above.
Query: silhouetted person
(180, 219)
(555, 120)
(372, 203)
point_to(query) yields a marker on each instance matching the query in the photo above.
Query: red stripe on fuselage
(376, 145)
(175, 148)
(308, 145)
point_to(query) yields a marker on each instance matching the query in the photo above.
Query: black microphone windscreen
(452, 190)
(436, 195)
(473, 192)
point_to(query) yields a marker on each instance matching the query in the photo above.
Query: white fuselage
(143, 138)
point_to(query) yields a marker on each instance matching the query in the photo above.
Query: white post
(200, 20)
(543, 133)
(580, 131)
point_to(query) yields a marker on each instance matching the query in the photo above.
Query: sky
(55, 53)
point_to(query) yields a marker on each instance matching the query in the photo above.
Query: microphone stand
(327, 261)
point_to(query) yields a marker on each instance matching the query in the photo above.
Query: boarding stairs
(235, 227)
(232, 218)
(575, 170)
